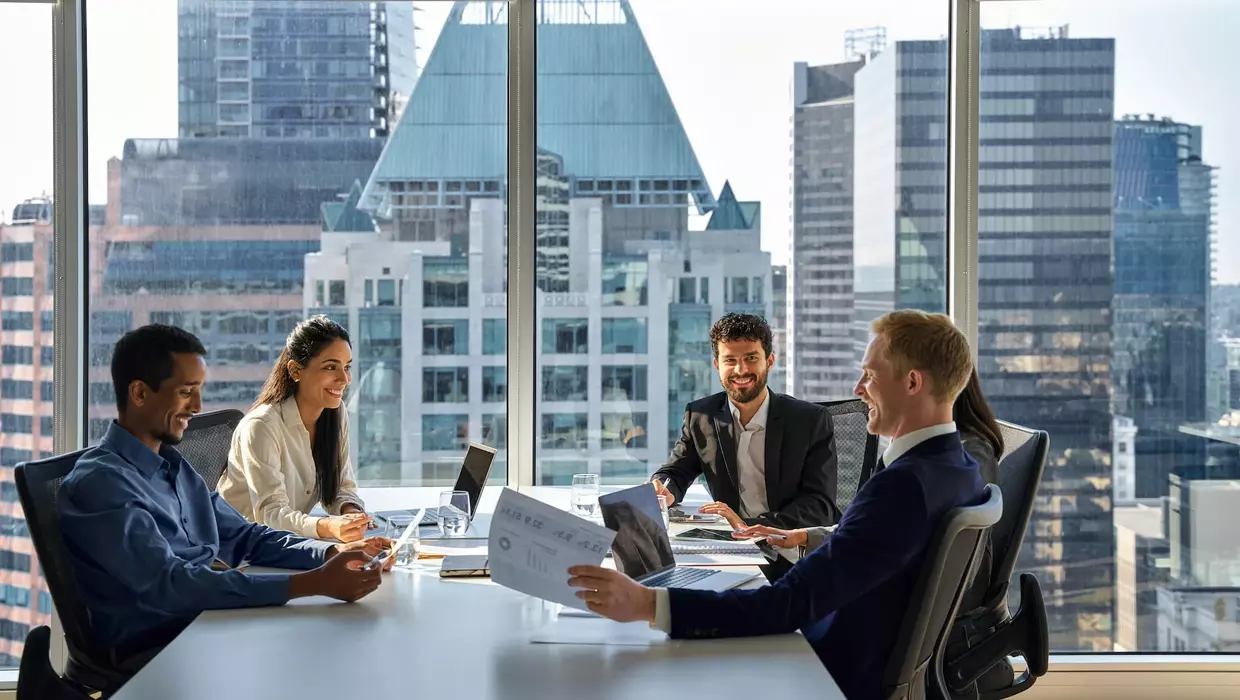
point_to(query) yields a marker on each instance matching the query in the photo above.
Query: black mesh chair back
(207, 442)
(1020, 474)
(38, 487)
(36, 679)
(856, 449)
(948, 569)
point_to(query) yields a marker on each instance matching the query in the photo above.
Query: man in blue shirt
(143, 530)
(850, 595)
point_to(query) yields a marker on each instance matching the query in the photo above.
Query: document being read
(532, 545)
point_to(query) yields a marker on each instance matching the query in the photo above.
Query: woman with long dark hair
(291, 450)
(979, 431)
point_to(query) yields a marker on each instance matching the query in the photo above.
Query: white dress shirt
(751, 458)
(271, 477)
(894, 451)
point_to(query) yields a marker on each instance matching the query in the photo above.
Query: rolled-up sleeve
(97, 515)
(258, 459)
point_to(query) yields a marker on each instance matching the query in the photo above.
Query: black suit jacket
(800, 460)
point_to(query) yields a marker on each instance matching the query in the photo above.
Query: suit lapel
(726, 432)
(772, 451)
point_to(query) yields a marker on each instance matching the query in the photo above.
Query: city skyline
(1165, 40)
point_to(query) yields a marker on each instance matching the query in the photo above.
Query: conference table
(420, 636)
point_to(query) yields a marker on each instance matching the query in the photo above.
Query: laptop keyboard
(677, 577)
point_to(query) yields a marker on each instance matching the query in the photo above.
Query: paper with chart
(532, 545)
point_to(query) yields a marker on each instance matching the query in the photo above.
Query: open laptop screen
(641, 547)
(474, 472)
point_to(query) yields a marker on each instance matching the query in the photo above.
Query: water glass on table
(453, 513)
(584, 496)
(408, 553)
(665, 502)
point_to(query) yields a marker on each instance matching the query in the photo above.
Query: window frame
(1144, 675)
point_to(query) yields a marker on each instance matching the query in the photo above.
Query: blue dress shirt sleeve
(878, 536)
(109, 518)
(242, 540)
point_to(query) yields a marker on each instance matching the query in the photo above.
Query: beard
(745, 395)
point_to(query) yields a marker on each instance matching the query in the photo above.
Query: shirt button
(307, 492)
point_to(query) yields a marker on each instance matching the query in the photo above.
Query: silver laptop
(473, 476)
(643, 551)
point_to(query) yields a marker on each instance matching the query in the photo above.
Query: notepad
(714, 548)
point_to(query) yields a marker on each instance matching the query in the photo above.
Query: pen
(376, 561)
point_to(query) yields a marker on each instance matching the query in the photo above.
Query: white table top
(426, 637)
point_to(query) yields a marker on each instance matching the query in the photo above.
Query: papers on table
(598, 631)
(532, 545)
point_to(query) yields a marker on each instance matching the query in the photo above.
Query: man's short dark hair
(145, 354)
(734, 327)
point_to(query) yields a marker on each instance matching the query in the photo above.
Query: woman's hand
(346, 528)
(784, 539)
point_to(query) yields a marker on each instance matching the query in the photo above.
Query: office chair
(976, 663)
(38, 485)
(36, 679)
(951, 561)
(856, 449)
(207, 442)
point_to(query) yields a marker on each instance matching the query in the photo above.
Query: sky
(727, 65)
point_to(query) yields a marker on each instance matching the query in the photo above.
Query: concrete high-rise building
(1045, 286)
(292, 69)
(414, 264)
(1142, 567)
(26, 332)
(778, 379)
(1161, 307)
(820, 320)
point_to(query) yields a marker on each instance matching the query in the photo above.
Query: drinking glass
(664, 502)
(407, 554)
(585, 495)
(453, 513)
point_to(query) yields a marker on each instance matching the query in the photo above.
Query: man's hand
(784, 539)
(722, 509)
(660, 489)
(342, 578)
(372, 546)
(612, 594)
(346, 528)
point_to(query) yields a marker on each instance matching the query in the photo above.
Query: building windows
(565, 336)
(14, 631)
(16, 320)
(564, 431)
(624, 336)
(740, 291)
(623, 430)
(445, 337)
(625, 471)
(17, 355)
(495, 430)
(16, 423)
(625, 282)
(14, 561)
(624, 383)
(494, 384)
(336, 293)
(45, 603)
(445, 282)
(444, 432)
(445, 384)
(565, 383)
(16, 252)
(494, 336)
(16, 389)
(17, 286)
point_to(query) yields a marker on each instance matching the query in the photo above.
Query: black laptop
(472, 477)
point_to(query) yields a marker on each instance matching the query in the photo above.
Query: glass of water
(407, 554)
(585, 495)
(453, 513)
(664, 502)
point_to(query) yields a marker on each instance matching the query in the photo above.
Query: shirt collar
(291, 416)
(759, 418)
(131, 449)
(908, 441)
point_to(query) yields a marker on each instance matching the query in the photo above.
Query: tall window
(26, 311)
(297, 171)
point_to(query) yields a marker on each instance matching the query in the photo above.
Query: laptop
(472, 477)
(643, 551)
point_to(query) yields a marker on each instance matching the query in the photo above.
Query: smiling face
(743, 366)
(163, 412)
(882, 388)
(325, 377)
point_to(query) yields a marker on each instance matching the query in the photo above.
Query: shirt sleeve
(348, 478)
(258, 460)
(662, 611)
(107, 516)
(241, 540)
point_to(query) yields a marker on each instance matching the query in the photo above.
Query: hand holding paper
(532, 545)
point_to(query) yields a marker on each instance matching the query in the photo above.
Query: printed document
(532, 545)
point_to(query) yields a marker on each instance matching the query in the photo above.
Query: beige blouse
(270, 477)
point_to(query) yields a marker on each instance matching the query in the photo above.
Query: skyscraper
(288, 69)
(1045, 286)
(821, 364)
(1161, 312)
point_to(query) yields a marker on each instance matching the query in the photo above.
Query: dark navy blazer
(850, 595)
